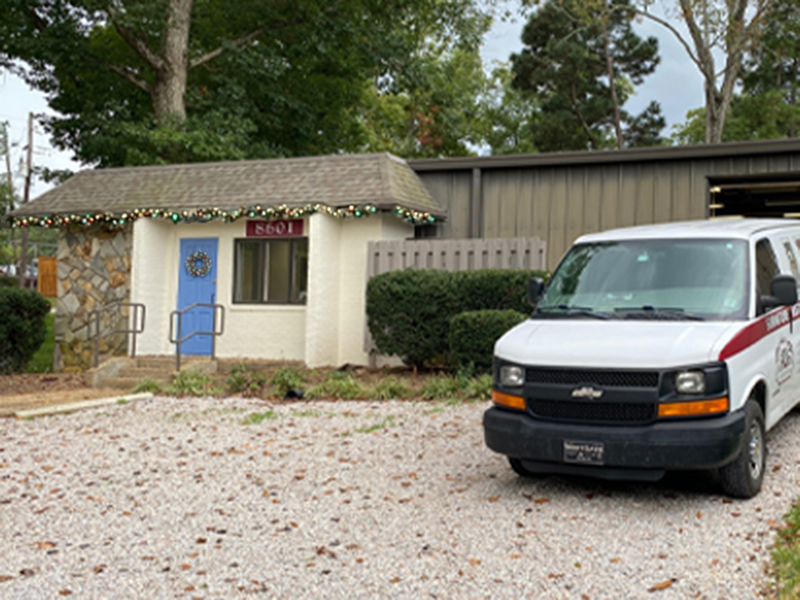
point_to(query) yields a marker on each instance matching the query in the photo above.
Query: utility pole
(10, 180)
(23, 260)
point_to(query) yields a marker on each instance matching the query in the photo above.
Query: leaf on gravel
(4, 578)
(616, 559)
(661, 586)
(27, 572)
(494, 498)
(395, 580)
(776, 468)
(699, 515)
(65, 593)
(541, 501)
(474, 561)
(44, 545)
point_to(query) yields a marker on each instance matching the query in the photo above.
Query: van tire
(742, 477)
(519, 468)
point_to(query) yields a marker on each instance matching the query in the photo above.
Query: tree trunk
(169, 89)
(612, 84)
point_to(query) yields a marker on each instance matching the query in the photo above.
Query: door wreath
(198, 270)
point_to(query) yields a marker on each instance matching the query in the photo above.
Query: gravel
(209, 498)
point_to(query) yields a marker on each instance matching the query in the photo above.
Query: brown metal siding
(559, 202)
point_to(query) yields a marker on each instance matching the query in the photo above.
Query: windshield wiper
(658, 312)
(578, 311)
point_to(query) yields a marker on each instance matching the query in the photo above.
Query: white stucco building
(275, 252)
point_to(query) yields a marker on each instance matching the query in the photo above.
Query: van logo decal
(587, 391)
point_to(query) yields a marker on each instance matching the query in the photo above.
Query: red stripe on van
(755, 332)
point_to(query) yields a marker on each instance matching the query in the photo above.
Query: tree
(726, 26)
(144, 81)
(508, 115)
(581, 62)
(768, 106)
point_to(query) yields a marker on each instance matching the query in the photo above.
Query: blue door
(197, 282)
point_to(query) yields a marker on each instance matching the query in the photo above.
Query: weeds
(479, 388)
(285, 379)
(390, 388)
(243, 380)
(256, 418)
(385, 424)
(148, 385)
(193, 383)
(441, 388)
(340, 386)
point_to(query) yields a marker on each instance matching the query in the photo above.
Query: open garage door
(775, 197)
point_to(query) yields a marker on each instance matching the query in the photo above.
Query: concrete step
(156, 374)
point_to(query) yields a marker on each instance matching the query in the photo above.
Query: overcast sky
(676, 84)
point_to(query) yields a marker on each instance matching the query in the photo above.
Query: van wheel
(519, 468)
(742, 478)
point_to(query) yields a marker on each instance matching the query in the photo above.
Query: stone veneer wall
(93, 271)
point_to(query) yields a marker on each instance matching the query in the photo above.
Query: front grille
(623, 379)
(617, 412)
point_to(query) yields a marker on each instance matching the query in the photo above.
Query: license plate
(584, 453)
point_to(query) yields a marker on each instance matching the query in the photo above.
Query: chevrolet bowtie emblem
(587, 392)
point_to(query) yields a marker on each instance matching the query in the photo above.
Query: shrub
(243, 380)
(479, 388)
(148, 385)
(408, 312)
(7, 281)
(494, 289)
(23, 327)
(473, 334)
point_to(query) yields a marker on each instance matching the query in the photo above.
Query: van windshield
(650, 279)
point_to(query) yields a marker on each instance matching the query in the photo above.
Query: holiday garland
(198, 257)
(118, 220)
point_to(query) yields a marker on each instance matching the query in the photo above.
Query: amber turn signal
(517, 402)
(693, 409)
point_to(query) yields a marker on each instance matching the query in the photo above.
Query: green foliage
(390, 388)
(339, 386)
(8, 282)
(42, 361)
(193, 383)
(786, 556)
(441, 387)
(479, 388)
(23, 327)
(408, 311)
(243, 380)
(256, 418)
(508, 115)
(285, 379)
(148, 385)
(564, 67)
(473, 334)
(263, 79)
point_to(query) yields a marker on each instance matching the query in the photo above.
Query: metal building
(560, 196)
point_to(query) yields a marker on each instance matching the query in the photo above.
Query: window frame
(263, 244)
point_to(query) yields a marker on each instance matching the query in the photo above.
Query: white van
(654, 348)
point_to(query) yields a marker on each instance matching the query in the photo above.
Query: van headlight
(690, 382)
(512, 376)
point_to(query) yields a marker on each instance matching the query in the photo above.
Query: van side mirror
(535, 290)
(783, 292)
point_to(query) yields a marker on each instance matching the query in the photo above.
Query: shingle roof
(382, 180)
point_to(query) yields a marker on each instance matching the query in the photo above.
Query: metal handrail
(94, 316)
(214, 333)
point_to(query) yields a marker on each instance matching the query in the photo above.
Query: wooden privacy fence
(457, 255)
(452, 255)
(48, 276)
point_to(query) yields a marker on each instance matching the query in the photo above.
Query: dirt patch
(30, 390)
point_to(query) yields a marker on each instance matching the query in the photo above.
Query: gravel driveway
(182, 498)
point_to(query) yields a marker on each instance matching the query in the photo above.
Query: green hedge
(22, 327)
(409, 311)
(8, 281)
(473, 334)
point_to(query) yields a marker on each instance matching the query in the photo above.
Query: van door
(782, 381)
(787, 361)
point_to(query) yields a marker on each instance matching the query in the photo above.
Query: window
(766, 266)
(271, 271)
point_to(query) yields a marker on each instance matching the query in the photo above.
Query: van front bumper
(639, 452)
